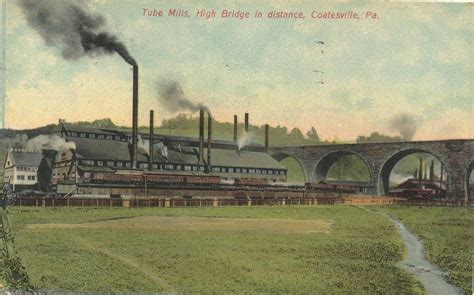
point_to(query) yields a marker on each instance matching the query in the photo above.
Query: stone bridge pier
(456, 156)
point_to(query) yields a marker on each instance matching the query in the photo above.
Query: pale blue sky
(415, 58)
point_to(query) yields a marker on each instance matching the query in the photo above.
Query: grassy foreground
(448, 238)
(297, 250)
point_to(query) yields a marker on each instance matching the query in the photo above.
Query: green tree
(312, 135)
(296, 136)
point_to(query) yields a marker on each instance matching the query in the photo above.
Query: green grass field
(297, 250)
(447, 235)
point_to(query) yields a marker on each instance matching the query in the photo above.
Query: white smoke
(245, 139)
(143, 145)
(399, 178)
(52, 142)
(163, 148)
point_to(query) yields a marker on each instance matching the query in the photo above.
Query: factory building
(21, 168)
(110, 151)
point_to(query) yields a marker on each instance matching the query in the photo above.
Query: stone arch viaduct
(456, 156)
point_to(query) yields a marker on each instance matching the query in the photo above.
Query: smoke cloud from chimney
(245, 139)
(50, 142)
(172, 97)
(72, 28)
(405, 124)
(144, 146)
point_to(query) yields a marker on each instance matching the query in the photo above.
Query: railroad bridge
(456, 156)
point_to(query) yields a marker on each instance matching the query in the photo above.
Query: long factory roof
(119, 150)
(158, 137)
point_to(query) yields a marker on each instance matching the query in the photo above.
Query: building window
(20, 177)
(143, 165)
(244, 170)
(117, 137)
(92, 135)
(155, 166)
(231, 170)
(178, 167)
(119, 164)
(110, 164)
(270, 172)
(108, 137)
(83, 135)
(100, 163)
(258, 171)
(169, 167)
(252, 171)
(264, 171)
(31, 177)
(128, 164)
(187, 168)
(195, 168)
(216, 169)
(223, 169)
(100, 136)
(201, 169)
(238, 170)
(88, 162)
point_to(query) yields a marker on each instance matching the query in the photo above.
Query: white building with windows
(21, 168)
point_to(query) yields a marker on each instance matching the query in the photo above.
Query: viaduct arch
(457, 157)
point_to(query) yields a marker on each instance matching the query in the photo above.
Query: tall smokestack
(201, 135)
(267, 138)
(209, 141)
(135, 118)
(420, 174)
(432, 171)
(441, 177)
(235, 127)
(246, 122)
(150, 154)
(425, 172)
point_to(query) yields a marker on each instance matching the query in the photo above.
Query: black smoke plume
(405, 124)
(172, 97)
(73, 29)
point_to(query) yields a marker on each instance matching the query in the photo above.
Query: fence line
(217, 202)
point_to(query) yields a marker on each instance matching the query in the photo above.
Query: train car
(153, 178)
(324, 187)
(330, 187)
(348, 189)
(203, 180)
(251, 182)
(114, 178)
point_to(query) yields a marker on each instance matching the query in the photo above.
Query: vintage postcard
(236, 147)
